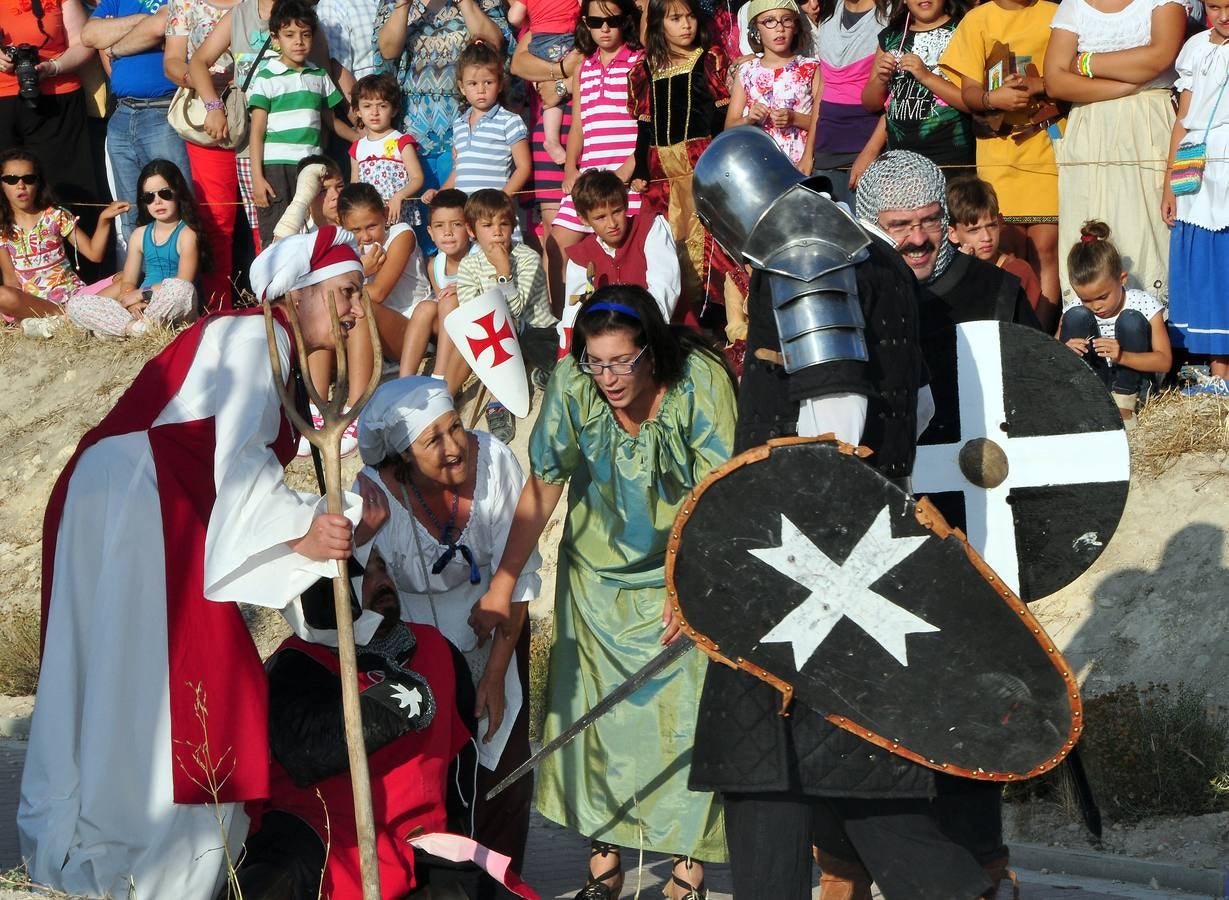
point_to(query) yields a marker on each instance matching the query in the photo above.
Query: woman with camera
(42, 105)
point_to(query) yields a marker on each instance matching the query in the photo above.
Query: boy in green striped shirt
(291, 101)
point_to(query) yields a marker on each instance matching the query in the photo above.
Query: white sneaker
(42, 326)
(305, 448)
(349, 438)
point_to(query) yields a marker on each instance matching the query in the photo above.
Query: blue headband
(613, 307)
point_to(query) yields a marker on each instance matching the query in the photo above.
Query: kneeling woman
(451, 496)
(635, 418)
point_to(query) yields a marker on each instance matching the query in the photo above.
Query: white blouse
(1203, 69)
(1102, 32)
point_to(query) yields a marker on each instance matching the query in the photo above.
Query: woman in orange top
(50, 120)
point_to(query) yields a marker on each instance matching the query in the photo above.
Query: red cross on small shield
(484, 333)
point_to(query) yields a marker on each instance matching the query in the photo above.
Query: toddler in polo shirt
(291, 100)
(501, 262)
(490, 145)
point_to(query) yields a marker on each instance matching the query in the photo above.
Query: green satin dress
(624, 779)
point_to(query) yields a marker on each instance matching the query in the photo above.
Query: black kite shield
(1026, 455)
(805, 567)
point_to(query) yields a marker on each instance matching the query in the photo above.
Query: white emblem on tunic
(407, 697)
(843, 590)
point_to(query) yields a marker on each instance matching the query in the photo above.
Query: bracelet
(211, 105)
(1083, 63)
(55, 62)
(987, 106)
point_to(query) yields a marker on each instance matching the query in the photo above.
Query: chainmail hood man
(903, 181)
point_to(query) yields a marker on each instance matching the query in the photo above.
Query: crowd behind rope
(1054, 114)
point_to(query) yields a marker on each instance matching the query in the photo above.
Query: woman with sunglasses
(635, 417)
(165, 247)
(450, 495)
(37, 278)
(609, 36)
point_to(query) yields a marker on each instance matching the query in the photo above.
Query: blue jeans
(134, 137)
(1134, 335)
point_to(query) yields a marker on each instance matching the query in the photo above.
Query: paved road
(558, 859)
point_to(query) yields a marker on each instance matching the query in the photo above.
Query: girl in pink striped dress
(604, 136)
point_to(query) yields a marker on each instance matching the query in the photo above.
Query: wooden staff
(327, 440)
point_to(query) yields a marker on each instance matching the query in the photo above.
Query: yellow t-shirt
(1024, 175)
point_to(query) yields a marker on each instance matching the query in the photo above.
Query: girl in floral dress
(775, 90)
(37, 277)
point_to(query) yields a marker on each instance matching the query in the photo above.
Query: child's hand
(885, 67)
(1108, 349)
(1169, 206)
(394, 209)
(132, 298)
(262, 192)
(569, 178)
(1012, 96)
(448, 294)
(966, 249)
(638, 185)
(500, 258)
(1078, 345)
(373, 259)
(913, 64)
(758, 112)
(114, 208)
(215, 125)
(782, 118)
(429, 195)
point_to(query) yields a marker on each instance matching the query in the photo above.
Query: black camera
(25, 61)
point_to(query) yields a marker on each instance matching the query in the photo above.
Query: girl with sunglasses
(635, 417)
(609, 36)
(34, 268)
(165, 249)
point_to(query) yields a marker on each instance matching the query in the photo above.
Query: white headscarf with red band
(302, 260)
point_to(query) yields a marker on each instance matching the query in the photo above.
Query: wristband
(563, 75)
(1083, 63)
(55, 62)
(211, 105)
(987, 106)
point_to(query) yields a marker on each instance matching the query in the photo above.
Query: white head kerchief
(398, 413)
(302, 260)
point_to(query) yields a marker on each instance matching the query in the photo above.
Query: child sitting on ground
(446, 225)
(36, 278)
(383, 156)
(166, 247)
(392, 263)
(1120, 333)
(975, 227)
(291, 101)
(515, 268)
(636, 250)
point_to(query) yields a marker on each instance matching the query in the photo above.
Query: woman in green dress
(634, 418)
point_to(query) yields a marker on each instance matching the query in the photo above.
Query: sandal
(690, 891)
(607, 885)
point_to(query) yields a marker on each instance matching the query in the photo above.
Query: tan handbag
(187, 117)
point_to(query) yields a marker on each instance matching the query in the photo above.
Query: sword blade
(603, 706)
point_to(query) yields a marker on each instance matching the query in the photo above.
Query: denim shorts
(552, 47)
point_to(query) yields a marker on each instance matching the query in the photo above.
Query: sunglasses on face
(596, 22)
(164, 193)
(19, 179)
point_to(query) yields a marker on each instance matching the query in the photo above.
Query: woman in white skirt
(1114, 60)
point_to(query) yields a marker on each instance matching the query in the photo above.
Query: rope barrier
(1045, 170)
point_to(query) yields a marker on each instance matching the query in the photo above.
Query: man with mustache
(415, 689)
(903, 196)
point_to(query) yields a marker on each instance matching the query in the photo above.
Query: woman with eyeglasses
(634, 418)
(450, 495)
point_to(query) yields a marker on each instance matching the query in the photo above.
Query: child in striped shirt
(291, 100)
(490, 145)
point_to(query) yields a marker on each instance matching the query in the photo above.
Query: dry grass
(16, 879)
(542, 633)
(1173, 424)
(19, 658)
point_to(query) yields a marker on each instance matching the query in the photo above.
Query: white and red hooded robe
(171, 511)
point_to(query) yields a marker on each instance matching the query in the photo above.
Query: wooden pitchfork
(327, 440)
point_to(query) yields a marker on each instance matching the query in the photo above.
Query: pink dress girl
(609, 131)
(788, 87)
